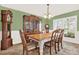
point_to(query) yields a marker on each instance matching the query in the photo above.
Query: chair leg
(61, 45)
(38, 52)
(50, 51)
(23, 51)
(58, 46)
(50, 48)
(36, 46)
(55, 47)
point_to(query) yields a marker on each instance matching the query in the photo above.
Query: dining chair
(56, 39)
(61, 37)
(28, 47)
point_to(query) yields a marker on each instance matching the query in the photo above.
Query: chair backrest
(23, 39)
(57, 34)
(61, 33)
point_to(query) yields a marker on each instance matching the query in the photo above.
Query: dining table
(41, 38)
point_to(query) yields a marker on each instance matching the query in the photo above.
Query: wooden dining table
(41, 39)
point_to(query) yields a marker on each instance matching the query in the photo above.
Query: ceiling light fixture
(48, 15)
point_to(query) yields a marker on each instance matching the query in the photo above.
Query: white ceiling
(40, 9)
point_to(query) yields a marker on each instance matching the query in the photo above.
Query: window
(69, 24)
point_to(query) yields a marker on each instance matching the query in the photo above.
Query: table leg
(41, 45)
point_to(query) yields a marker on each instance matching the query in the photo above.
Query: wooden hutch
(31, 24)
(6, 18)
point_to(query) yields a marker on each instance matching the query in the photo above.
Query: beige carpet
(68, 49)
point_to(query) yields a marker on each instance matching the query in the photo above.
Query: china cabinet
(31, 24)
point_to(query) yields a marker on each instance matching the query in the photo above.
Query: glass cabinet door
(31, 26)
(27, 26)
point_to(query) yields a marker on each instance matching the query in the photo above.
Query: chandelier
(48, 15)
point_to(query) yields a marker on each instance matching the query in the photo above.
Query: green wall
(17, 18)
(67, 15)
